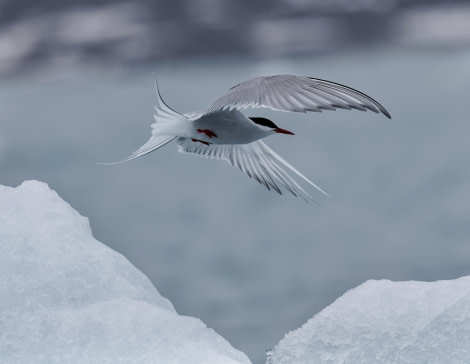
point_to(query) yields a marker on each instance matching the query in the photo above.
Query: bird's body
(229, 127)
(224, 132)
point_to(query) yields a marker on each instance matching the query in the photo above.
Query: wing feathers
(257, 161)
(294, 93)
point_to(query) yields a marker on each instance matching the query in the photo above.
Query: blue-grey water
(251, 264)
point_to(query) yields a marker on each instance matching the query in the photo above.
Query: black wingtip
(385, 112)
(377, 104)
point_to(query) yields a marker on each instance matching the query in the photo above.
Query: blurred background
(76, 88)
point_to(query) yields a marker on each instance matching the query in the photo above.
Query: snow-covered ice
(67, 298)
(386, 322)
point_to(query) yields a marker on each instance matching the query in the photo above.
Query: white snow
(386, 322)
(67, 298)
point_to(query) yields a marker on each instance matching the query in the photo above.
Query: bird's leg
(208, 132)
(200, 141)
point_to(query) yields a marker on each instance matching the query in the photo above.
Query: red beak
(283, 131)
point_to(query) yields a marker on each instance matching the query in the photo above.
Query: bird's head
(269, 126)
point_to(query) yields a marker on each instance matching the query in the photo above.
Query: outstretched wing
(294, 93)
(256, 160)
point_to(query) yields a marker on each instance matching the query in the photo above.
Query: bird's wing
(256, 160)
(294, 93)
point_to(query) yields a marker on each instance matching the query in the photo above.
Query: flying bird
(222, 131)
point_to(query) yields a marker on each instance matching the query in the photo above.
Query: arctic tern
(222, 131)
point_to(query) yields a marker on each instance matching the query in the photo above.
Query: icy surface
(386, 322)
(67, 298)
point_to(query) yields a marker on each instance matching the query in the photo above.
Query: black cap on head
(264, 122)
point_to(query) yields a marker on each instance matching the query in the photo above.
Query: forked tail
(165, 117)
